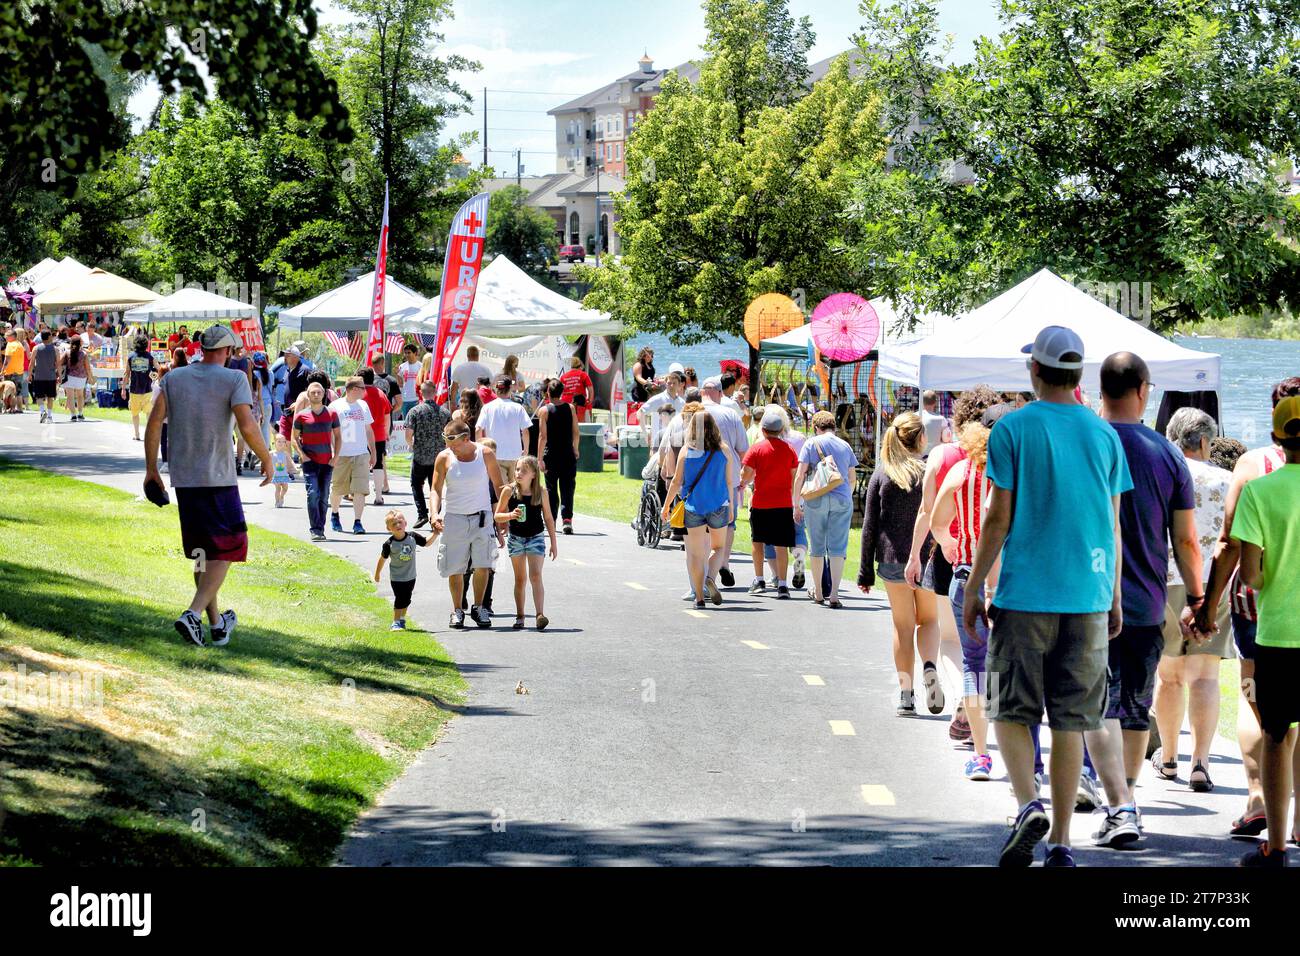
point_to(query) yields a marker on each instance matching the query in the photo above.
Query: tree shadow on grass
(92, 612)
(102, 800)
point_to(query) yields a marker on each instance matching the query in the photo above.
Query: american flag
(352, 345)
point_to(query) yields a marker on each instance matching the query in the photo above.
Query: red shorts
(212, 523)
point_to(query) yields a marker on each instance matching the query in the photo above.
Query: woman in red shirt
(578, 390)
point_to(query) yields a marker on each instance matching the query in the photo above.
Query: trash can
(591, 446)
(633, 451)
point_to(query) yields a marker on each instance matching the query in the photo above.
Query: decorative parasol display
(845, 327)
(771, 315)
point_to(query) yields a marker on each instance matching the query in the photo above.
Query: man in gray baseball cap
(202, 403)
(1057, 473)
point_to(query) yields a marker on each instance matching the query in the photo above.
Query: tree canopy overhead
(735, 184)
(1110, 140)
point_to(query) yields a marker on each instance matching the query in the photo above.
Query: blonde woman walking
(893, 499)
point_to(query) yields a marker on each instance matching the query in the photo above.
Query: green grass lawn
(262, 752)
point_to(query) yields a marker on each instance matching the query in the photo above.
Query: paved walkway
(758, 732)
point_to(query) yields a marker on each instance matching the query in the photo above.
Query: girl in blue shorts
(526, 508)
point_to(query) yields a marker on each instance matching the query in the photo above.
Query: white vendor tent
(33, 275)
(347, 309)
(66, 270)
(191, 304)
(985, 346)
(510, 304)
(96, 291)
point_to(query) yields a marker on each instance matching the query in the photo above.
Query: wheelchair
(650, 525)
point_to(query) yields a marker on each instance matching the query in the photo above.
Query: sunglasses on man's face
(452, 439)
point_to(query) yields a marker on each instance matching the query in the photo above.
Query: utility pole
(598, 167)
(519, 167)
(485, 141)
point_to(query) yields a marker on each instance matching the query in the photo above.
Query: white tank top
(467, 487)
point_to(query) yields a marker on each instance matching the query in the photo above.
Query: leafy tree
(55, 97)
(1108, 140)
(523, 234)
(400, 95)
(736, 185)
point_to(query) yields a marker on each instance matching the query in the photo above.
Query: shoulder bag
(823, 478)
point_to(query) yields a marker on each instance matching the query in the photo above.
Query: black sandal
(1204, 785)
(518, 625)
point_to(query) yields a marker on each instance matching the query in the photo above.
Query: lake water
(1251, 367)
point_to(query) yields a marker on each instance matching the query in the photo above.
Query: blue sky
(567, 48)
(550, 51)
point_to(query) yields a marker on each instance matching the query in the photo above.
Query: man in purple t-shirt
(1159, 511)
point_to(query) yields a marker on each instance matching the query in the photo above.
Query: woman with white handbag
(824, 482)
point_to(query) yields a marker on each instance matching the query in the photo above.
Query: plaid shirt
(424, 427)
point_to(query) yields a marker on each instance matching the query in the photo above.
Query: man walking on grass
(1158, 511)
(1057, 472)
(202, 403)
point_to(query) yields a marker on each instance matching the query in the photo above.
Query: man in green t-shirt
(1267, 524)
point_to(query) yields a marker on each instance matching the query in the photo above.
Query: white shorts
(466, 539)
(75, 384)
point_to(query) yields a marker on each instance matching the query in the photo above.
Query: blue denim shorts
(827, 520)
(714, 519)
(516, 545)
(974, 647)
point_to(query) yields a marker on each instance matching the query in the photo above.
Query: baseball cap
(292, 350)
(1053, 342)
(677, 367)
(218, 337)
(1286, 418)
(994, 413)
(773, 422)
(714, 382)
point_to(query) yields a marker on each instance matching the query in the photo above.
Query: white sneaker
(222, 632)
(1118, 829)
(1089, 796)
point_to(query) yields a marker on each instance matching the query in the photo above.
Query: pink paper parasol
(845, 327)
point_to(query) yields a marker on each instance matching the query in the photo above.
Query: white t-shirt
(650, 412)
(353, 419)
(732, 404)
(407, 373)
(467, 374)
(502, 421)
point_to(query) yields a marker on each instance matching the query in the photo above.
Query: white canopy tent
(67, 270)
(29, 278)
(347, 309)
(985, 346)
(511, 304)
(191, 304)
(96, 291)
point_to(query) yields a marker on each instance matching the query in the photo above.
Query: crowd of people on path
(1093, 572)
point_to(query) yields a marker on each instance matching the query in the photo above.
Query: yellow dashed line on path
(842, 728)
(756, 646)
(812, 680)
(694, 613)
(877, 795)
(636, 587)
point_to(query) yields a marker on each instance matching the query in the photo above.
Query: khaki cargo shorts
(352, 475)
(1052, 661)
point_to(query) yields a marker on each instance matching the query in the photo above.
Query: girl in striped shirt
(960, 504)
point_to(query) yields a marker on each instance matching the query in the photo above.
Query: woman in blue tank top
(704, 481)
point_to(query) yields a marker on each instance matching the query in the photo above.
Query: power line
(499, 110)
(536, 93)
(520, 129)
(526, 152)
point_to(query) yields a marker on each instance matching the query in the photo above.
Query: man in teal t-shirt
(1057, 472)
(1267, 523)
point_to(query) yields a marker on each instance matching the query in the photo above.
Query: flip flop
(1249, 825)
